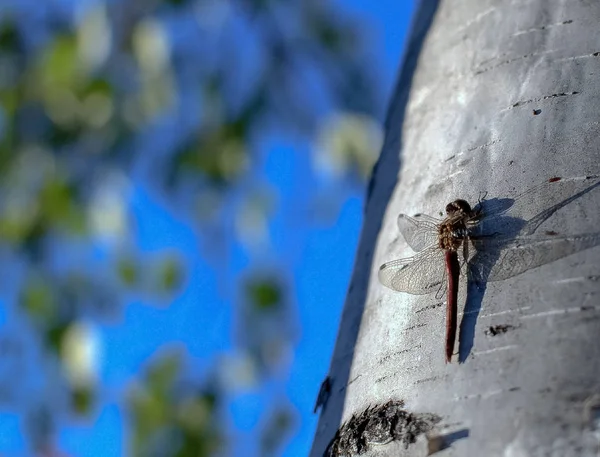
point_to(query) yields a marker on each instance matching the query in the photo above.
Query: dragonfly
(438, 243)
(459, 243)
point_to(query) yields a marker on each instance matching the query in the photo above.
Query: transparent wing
(420, 231)
(521, 214)
(422, 274)
(498, 259)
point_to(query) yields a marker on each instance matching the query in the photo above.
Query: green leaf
(59, 206)
(278, 425)
(54, 336)
(128, 271)
(195, 414)
(59, 63)
(170, 275)
(100, 87)
(82, 400)
(221, 155)
(62, 135)
(37, 299)
(265, 295)
(9, 99)
(9, 37)
(163, 373)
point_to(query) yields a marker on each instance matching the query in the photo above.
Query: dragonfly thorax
(452, 234)
(453, 230)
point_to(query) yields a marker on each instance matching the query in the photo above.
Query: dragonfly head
(458, 206)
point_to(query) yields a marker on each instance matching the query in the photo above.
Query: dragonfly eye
(458, 205)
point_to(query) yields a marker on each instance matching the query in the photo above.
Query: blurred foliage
(170, 275)
(264, 295)
(172, 96)
(82, 399)
(128, 271)
(265, 324)
(173, 418)
(278, 425)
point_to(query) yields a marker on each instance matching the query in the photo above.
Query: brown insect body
(453, 232)
(453, 272)
(503, 254)
(455, 228)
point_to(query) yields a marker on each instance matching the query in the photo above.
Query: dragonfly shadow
(513, 248)
(478, 271)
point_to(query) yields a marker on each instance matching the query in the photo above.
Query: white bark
(462, 122)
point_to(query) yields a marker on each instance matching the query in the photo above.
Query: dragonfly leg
(465, 258)
(482, 196)
(478, 212)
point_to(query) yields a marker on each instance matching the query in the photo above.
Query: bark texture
(497, 97)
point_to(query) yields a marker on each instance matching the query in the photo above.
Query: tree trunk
(493, 97)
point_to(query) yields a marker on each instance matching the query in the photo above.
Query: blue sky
(319, 256)
(323, 276)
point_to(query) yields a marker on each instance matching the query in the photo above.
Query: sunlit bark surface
(498, 98)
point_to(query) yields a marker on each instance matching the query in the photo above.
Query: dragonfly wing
(521, 215)
(499, 259)
(420, 231)
(422, 274)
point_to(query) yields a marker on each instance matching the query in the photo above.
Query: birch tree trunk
(497, 97)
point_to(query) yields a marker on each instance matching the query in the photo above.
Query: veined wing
(499, 259)
(417, 275)
(520, 215)
(420, 231)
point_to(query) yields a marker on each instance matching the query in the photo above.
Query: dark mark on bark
(412, 327)
(379, 425)
(578, 397)
(498, 329)
(324, 393)
(551, 232)
(596, 54)
(471, 149)
(441, 442)
(543, 27)
(481, 146)
(383, 378)
(351, 381)
(539, 99)
(387, 357)
(449, 425)
(504, 62)
(514, 389)
(537, 111)
(555, 179)
(437, 305)
(421, 381)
